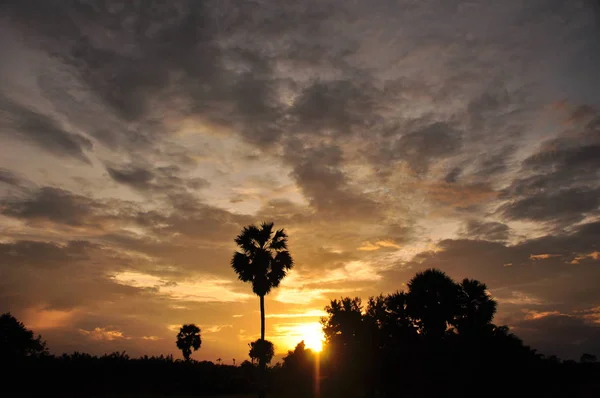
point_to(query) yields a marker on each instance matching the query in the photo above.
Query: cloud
(215, 328)
(203, 290)
(563, 207)
(151, 338)
(542, 256)
(387, 244)
(43, 254)
(571, 335)
(289, 295)
(381, 151)
(53, 204)
(160, 180)
(19, 121)
(491, 230)
(9, 178)
(592, 255)
(419, 148)
(104, 334)
(305, 314)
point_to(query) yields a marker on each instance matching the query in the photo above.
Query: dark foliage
(261, 351)
(17, 342)
(437, 339)
(116, 374)
(188, 338)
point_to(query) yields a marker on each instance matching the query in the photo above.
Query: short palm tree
(263, 260)
(188, 338)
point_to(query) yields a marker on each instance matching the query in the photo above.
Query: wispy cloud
(204, 290)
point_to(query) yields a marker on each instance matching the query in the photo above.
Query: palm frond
(262, 258)
(282, 260)
(247, 239)
(264, 234)
(241, 264)
(279, 241)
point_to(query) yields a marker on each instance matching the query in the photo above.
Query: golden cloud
(543, 256)
(104, 334)
(205, 290)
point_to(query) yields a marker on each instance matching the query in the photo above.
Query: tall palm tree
(263, 260)
(477, 307)
(432, 301)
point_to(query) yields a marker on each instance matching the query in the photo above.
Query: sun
(312, 334)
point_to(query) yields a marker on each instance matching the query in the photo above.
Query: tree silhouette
(432, 301)
(16, 341)
(261, 351)
(588, 358)
(188, 338)
(345, 340)
(263, 260)
(476, 308)
(299, 370)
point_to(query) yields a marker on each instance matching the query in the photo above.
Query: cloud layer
(137, 140)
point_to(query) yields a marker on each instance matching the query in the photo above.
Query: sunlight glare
(313, 337)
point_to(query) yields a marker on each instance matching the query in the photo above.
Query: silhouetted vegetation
(264, 261)
(435, 339)
(189, 338)
(261, 351)
(17, 342)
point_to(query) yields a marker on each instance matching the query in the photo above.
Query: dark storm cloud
(481, 230)
(19, 121)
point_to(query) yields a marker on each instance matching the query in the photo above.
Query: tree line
(436, 338)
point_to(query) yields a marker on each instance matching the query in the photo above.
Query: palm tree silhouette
(477, 307)
(219, 360)
(432, 301)
(188, 338)
(263, 260)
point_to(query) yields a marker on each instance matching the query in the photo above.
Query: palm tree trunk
(262, 388)
(262, 317)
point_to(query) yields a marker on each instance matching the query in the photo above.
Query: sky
(137, 138)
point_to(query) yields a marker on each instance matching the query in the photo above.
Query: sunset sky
(137, 138)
